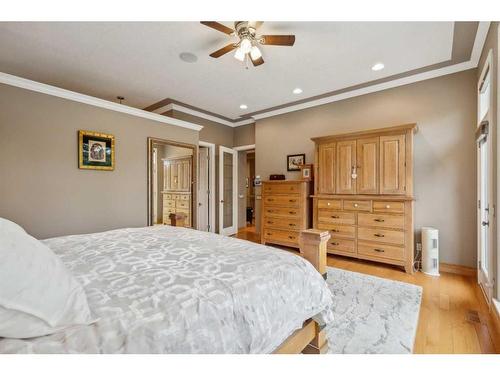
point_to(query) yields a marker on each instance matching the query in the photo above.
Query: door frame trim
(234, 152)
(211, 182)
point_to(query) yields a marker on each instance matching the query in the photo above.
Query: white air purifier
(430, 251)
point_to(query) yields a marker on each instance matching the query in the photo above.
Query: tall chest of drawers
(285, 211)
(364, 194)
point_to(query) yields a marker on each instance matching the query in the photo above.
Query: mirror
(171, 181)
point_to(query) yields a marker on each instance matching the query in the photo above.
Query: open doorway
(246, 190)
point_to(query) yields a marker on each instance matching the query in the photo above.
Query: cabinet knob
(356, 205)
(328, 204)
(387, 206)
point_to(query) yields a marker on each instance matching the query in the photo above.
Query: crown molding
(43, 88)
(193, 112)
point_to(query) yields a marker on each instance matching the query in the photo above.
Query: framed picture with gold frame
(96, 150)
(306, 172)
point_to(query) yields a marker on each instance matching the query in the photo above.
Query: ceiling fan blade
(258, 61)
(223, 50)
(277, 40)
(218, 26)
(255, 24)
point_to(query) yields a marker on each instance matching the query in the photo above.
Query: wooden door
(346, 161)
(326, 168)
(367, 155)
(392, 164)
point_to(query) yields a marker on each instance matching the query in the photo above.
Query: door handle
(485, 223)
(222, 200)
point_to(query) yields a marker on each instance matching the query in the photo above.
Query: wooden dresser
(285, 211)
(364, 194)
(177, 188)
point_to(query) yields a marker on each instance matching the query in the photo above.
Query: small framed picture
(306, 171)
(96, 150)
(295, 161)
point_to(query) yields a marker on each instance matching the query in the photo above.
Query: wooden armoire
(177, 187)
(363, 194)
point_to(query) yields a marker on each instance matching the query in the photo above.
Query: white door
(484, 216)
(228, 191)
(203, 190)
(485, 200)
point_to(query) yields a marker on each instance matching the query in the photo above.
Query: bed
(166, 289)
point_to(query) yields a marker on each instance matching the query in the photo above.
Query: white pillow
(38, 295)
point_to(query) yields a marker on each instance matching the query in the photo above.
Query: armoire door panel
(326, 168)
(367, 155)
(392, 164)
(346, 161)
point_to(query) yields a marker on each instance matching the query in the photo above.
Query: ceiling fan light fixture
(245, 45)
(297, 91)
(239, 54)
(243, 106)
(255, 53)
(378, 66)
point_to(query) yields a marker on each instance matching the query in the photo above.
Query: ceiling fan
(249, 42)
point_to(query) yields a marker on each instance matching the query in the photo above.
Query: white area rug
(372, 315)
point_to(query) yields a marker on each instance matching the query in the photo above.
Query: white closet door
(228, 191)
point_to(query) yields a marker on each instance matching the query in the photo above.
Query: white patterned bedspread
(174, 290)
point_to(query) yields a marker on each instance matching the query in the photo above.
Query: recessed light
(297, 91)
(378, 66)
(243, 106)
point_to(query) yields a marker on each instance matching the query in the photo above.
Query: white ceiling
(140, 61)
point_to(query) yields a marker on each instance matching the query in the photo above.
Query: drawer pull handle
(334, 243)
(335, 217)
(268, 234)
(292, 212)
(379, 220)
(291, 237)
(270, 199)
(387, 206)
(379, 250)
(292, 200)
(356, 205)
(269, 222)
(291, 224)
(335, 230)
(378, 235)
(270, 211)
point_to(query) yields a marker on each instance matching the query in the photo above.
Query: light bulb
(239, 55)
(245, 45)
(255, 53)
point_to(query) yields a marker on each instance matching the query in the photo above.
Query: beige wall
(444, 109)
(244, 135)
(41, 186)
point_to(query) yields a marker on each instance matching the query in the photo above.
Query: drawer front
(336, 217)
(283, 223)
(381, 235)
(282, 200)
(381, 251)
(168, 203)
(346, 231)
(280, 212)
(352, 205)
(281, 236)
(334, 204)
(282, 188)
(389, 207)
(381, 221)
(184, 197)
(346, 246)
(182, 204)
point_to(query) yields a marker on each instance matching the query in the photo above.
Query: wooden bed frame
(311, 338)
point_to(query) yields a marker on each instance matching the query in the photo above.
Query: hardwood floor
(454, 318)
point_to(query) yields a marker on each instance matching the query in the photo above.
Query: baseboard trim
(457, 269)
